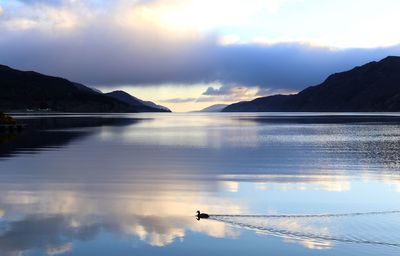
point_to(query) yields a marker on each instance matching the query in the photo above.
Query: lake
(130, 184)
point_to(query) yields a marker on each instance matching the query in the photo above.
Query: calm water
(130, 185)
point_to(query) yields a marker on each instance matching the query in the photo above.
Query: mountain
(86, 88)
(373, 87)
(28, 90)
(140, 105)
(214, 108)
(23, 90)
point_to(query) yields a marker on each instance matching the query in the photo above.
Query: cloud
(113, 57)
(44, 16)
(1, 10)
(125, 43)
(223, 90)
(228, 39)
(225, 93)
(234, 92)
(231, 92)
(179, 100)
(190, 14)
(47, 2)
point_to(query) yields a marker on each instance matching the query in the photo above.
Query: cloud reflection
(51, 220)
(59, 249)
(231, 186)
(310, 233)
(312, 244)
(331, 183)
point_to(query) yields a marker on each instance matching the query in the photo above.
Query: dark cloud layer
(100, 53)
(289, 66)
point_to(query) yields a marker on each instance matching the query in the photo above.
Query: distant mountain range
(373, 87)
(31, 91)
(214, 108)
(138, 104)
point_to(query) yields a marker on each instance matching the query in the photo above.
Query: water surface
(130, 184)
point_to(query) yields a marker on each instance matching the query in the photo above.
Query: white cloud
(20, 24)
(1, 10)
(252, 20)
(228, 39)
(203, 14)
(233, 93)
(47, 16)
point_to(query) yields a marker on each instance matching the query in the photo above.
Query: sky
(187, 55)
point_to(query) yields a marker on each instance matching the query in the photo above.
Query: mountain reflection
(52, 132)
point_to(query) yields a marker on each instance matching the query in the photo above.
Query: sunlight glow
(204, 14)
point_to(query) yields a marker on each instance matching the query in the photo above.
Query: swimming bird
(202, 215)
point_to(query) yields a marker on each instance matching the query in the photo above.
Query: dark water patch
(52, 132)
(33, 142)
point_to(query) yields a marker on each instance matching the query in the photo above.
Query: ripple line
(301, 235)
(305, 215)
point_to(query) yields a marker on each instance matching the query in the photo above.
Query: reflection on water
(49, 132)
(325, 228)
(130, 184)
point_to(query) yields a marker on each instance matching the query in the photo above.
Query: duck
(202, 215)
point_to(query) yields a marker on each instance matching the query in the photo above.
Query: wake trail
(373, 228)
(304, 215)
